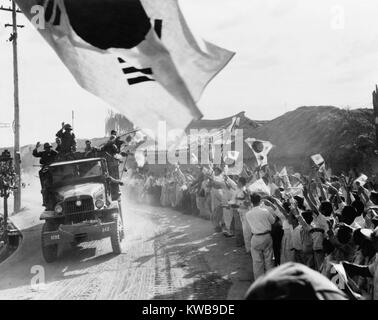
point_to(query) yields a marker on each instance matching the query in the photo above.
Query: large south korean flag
(137, 55)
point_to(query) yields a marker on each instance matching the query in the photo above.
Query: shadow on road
(211, 262)
(72, 262)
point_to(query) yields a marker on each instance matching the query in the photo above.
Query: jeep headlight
(99, 203)
(58, 209)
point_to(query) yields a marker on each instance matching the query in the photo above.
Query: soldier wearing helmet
(47, 157)
(68, 139)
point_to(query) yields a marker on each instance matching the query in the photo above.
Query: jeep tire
(116, 237)
(49, 252)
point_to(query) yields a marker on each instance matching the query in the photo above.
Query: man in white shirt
(260, 221)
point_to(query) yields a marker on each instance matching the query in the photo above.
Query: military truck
(86, 200)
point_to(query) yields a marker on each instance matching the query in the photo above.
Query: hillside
(345, 138)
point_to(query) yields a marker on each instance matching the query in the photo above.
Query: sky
(289, 53)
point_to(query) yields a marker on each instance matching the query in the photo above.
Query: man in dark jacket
(47, 157)
(67, 138)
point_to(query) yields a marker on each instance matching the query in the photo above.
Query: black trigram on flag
(52, 11)
(145, 74)
(135, 75)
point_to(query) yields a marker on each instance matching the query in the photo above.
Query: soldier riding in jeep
(81, 192)
(84, 203)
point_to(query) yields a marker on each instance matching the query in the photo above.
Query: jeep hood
(85, 189)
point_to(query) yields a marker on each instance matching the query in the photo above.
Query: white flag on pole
(318, 159)
(137, 55)
(320, 162)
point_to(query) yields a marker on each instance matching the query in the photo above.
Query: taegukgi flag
(261, 150)
(137, 55)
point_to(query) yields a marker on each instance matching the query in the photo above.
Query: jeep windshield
(76, 172)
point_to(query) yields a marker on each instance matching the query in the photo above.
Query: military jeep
(85, 205)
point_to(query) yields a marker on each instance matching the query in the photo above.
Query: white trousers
(262, 254)
(247, 233)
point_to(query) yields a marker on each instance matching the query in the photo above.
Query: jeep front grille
(78, 214)
(71, 207)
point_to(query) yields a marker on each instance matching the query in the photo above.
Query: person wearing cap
(89, 150)
(260, 221)
(117, 140)
(67, 138)
(111, 145)
(47, 156)
(370, 271)
(294, 281)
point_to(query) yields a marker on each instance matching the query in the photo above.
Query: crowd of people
(315, 220)
(318, 220)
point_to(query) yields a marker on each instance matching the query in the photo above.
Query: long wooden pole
(17, 193)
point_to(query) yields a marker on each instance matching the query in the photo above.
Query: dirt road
(167, 255)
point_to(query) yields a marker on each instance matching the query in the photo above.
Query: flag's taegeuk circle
(109, 23)
(258, 146)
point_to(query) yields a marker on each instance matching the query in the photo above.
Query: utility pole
(17, 158)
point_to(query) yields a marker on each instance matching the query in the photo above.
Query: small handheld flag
(320, 163)
(261, 149)
(259, 186)
(318, 159)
